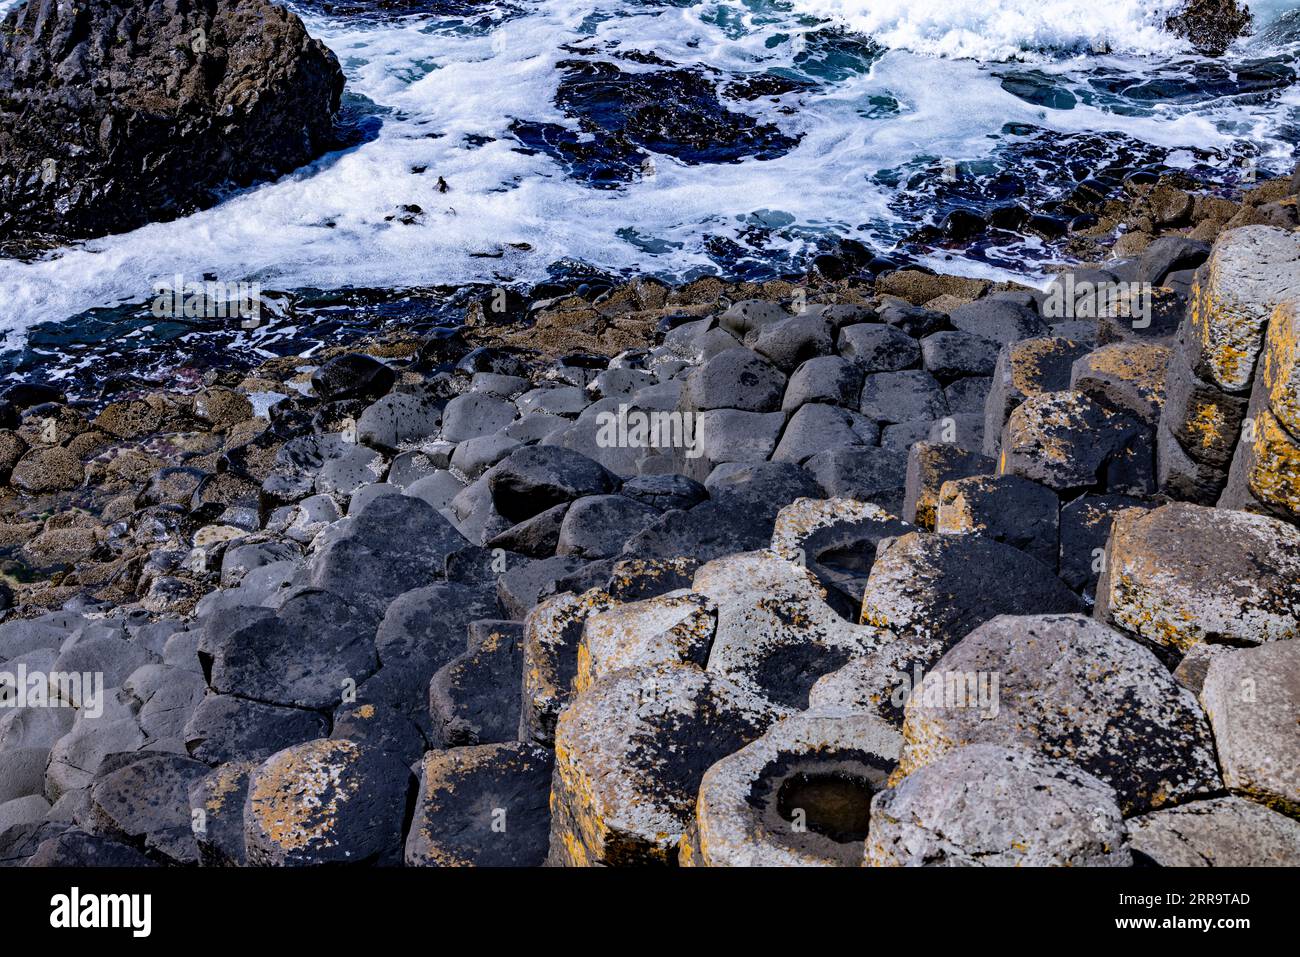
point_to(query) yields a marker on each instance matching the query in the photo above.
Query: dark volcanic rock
(1069, 442)
(304, 657)
(1210, 25)
(1085, 527)
(114, 115)
(474, 698)
(940, 587)
(866, 474)
(1007, 508)
(633, 579)
(734, 379)
(1001, 320)
(76, 848)
(598, 525)
(422, 631)
(536, 478)
(147, 803)
(380, 727)
(760, 489)
(487, 806)
(397, 543)
(665, 491)
(672, 112)
(217, 813)
(352, 376)
(225, 728)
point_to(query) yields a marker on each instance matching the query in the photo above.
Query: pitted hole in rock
(837, 806)
(819, 802)
(854, 559)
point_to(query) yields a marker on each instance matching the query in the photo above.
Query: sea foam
(445, 92)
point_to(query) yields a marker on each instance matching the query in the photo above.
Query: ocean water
(680, 138)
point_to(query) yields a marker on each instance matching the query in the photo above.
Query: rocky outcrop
(116, 115)
(1211, 25)
(1251, 272)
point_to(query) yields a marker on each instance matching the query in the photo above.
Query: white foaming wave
(1007, 29)
(328, 225)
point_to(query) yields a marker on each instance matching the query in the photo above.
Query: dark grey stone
(792, 341)
(910, 395)
(734, 379)
(598, 525)
(876, 347)
(226, 728)
(536, 478)
(833, 380)
(951, 355)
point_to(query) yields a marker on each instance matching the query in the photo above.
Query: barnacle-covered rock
(1068, 442)
(633, 579)
(836, 540)
(1280, 366)
(927, 587)
(1024, 369)
(878, 683)
(1250, 272)
(1253, 697)
(676, 628)
(552, 632)
(991, 806)
(1265, 473)
(1127, 376)
(929, 465)
(775, 638)
(1220, 832)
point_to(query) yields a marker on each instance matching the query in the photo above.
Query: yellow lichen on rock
(1273, 464)
(1281, 365)
(296, 794)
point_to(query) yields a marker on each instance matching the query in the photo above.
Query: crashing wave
(1009, 29)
